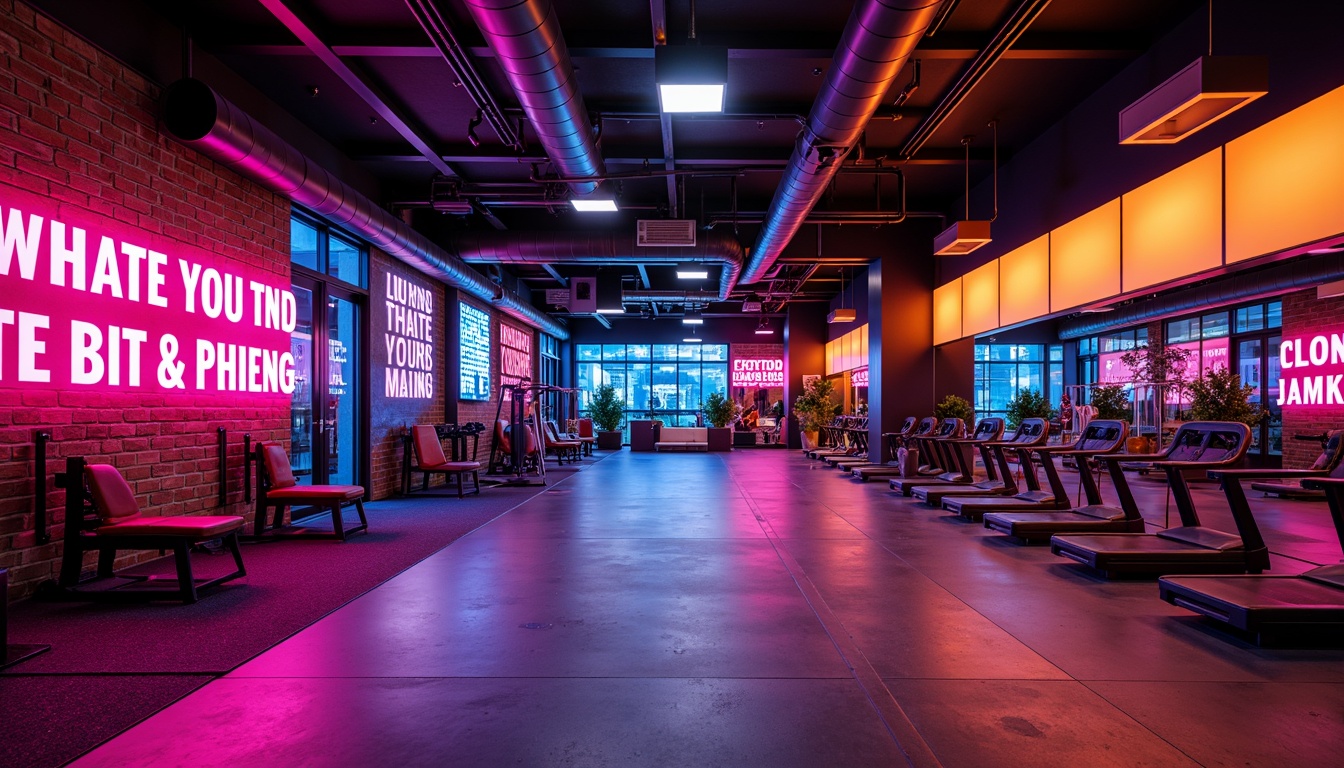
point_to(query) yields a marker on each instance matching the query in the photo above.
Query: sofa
(682, 439)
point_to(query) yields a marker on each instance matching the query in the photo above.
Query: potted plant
(1027, 404)
(1219, 395)
(953, 407)
(720, 412)
(1111, 402)
(607, 408)
(814, 409)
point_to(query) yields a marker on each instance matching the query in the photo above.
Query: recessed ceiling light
(692, 272)
(693, 341)
(594, 205)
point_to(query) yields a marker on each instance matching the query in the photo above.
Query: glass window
(1274, 315)
(302, 244)
(1250, 318)
(714, 352)
(638, 352)
(587, 352)
(1056, 353)
(1002, 370)
(613, 352)
(345, 261)
(1182, 330)
(688, 352)
(1214, 326)
(664, 351)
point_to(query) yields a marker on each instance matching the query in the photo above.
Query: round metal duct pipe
(200, 118)
(718, 249)
(527, 42)
(1278, 278)
(879, 37)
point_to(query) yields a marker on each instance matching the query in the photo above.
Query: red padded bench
(277, 488)
(105, 518)
(429, 459)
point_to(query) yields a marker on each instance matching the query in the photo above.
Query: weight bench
(101, 515)
(277, 488)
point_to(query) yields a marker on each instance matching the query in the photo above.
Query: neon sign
(515, 356)
(474, 339)
(1312, 369)
(87, 303)
(859, 377)
(758, 372)
(409, 339)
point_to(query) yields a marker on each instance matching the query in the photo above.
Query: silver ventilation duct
(201, 119)
(598, 250)
(880, 36)
(1278, 278)
(527, 42)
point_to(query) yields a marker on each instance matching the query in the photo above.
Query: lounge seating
(557, 446)
(430, 460)
(105, 518)
(277, 488)
(682, 439)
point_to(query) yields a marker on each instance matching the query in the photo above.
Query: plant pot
(720, 438)
(1139, 444)
(809, 440)
(609, 441)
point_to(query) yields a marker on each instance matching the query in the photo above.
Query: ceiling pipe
(877, 41)
(528, 44)
(198, 117)
(1280, 278)
(599, 250)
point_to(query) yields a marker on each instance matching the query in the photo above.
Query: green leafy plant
(953, 407)
(1219, 395)
(607, 408)
(1026, 404)
(814, 408)
(1111, 402)
(1158, 364)
(719, 410)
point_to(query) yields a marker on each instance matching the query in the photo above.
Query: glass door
(1260, 371)
(325, 417)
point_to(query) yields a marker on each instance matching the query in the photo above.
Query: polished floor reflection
(753, 609)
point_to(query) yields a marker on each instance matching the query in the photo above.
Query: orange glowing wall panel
(1085, 258)
(1173, 225)
(1024, 282)
(830, 357)
(947, 312)
(980, 299)
(1285, 180)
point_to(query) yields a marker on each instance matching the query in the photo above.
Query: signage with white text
(474, 340)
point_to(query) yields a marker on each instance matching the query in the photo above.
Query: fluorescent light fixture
(694, 341)
(611, 311)
(691, 78)
(692, 272)
(1208, 89)
(961, 238)
(594, 205)
(765, 330)
(692, 320)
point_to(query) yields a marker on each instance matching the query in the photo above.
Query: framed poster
(474, 346)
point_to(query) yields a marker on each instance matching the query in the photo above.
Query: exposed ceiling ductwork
(1261, 283)
(526, 39)
(581, 248)
(879, 37)
(200, 118)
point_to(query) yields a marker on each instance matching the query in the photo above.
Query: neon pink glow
(88, 303)
(859, 377)
(1312, 369)
(758, 372)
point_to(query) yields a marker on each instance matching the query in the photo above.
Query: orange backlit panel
(947, 312)
(1085, 258)
(980, 299)
(1024, 282)
(1285, 180)
(1173, 225)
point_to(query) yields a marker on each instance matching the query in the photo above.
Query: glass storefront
(663, 381)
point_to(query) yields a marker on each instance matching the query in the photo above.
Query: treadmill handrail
(1334, 496)
(1259, 474)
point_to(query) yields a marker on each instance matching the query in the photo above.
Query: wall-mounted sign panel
(758, 372)
(474, 346)
(89, 303)
(1312, 370)
(947, 312)
(1085, 258)
(408, 342)
(515, 356)
(859, 377)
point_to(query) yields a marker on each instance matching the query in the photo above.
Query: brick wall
(79, 129)
(1304, 313)
(390, 416)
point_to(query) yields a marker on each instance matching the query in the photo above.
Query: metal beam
(559, 278)
(644, 277)
(758, 161)
(658, 13)
(371, 95)
(602, 320)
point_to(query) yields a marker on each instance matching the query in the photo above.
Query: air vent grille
(666, 232)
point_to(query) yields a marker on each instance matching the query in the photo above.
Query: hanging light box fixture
(690, 78)
(966, 236)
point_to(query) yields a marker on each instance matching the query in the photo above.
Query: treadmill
(927, 426)
(1326, 465)
(989, 430)
(1189, 547)
(831, 435)
(1270, 606)
(1030, 433)
(856, 435)
(931, 446)
(890, 442)
(1099, 438)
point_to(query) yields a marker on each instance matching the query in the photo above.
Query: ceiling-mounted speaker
(582, 294)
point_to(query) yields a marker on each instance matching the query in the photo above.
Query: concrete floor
(754, 608)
